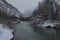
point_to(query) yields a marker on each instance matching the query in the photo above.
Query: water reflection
(24, 31)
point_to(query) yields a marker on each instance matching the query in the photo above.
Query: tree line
(47, 10)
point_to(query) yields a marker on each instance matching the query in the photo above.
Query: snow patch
(5, 34)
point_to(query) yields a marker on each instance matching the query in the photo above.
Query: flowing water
(23, 31)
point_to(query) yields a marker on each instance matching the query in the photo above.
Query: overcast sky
(23, 5)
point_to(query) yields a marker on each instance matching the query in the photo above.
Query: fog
(23, 5)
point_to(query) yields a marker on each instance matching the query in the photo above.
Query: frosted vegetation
(43, 23)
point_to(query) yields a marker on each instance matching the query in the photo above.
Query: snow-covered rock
(47, 23)
(5, 33)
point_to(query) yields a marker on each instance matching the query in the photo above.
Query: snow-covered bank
(5, 33)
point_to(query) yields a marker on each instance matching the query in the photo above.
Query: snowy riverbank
(5, 33)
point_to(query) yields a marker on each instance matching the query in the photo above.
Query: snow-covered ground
(5, 33)
(47, 23)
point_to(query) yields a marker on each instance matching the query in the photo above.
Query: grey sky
(23, 5)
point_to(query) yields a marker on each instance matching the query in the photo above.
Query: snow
(5, 33)
(17, 15)
(9, 9)
(21, 22)
(47, 23)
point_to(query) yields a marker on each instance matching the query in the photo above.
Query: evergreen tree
(48, 9)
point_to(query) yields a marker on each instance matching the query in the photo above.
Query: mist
(23, 5)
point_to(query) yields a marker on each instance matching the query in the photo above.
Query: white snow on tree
(8, 9)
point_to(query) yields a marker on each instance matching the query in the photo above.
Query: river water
(23, 31)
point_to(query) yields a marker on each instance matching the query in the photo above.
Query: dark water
(57, 34)
(23, 31)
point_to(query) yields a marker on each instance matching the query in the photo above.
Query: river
(23, 31)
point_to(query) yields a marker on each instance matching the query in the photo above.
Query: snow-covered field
(5, 33)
